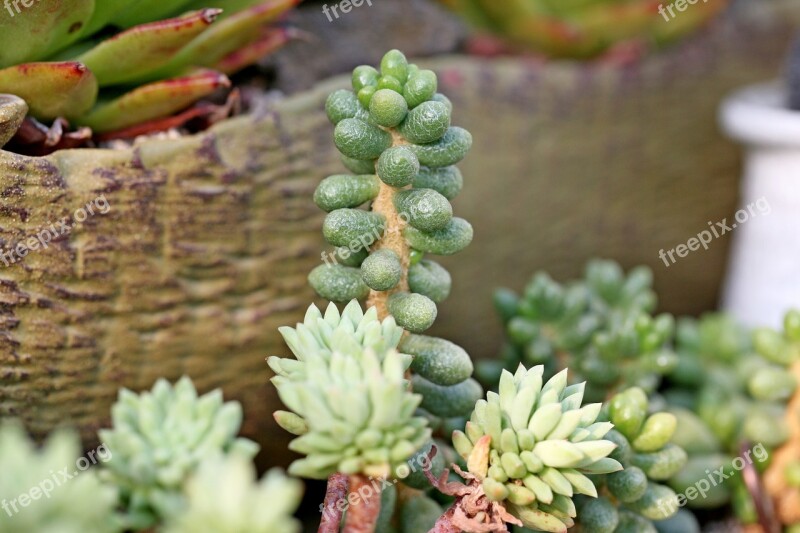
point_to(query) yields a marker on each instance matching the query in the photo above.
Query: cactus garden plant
(118, 66)
(587, 28)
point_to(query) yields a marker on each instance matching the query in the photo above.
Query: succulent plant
(793, 69)
(224, 497)
(51, 55)
(600, 327)
(159, 438)
(42, 491)
(585, 28)
(638, 493)
(532, 445)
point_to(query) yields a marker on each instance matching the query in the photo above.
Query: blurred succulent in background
(224, 497)
(54, 55)
(159, 438)
(529, 449)
(585, 28)
(600, 326)
(76, 504)
(634, 498)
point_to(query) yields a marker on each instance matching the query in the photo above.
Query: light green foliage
(224, 497)
(348, 395)
(53, 504)
(533, 444)
(52, 57)
(159, 438)
(600, 327)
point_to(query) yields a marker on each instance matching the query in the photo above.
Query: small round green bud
(351, 227)
(598, 515)
(426, 123)
(447, 241)
(412, 69)
(413, 312)
(349, 258)
(338, 283)
(387, 108)
(430, 279)
(395, 64)
(437, 360)
(359, 140)
(656, 432)
(627, 411)
(627, 485)
(340, 105)
(657, 503)
(454, 400)
(448, 150)
(421, 86)
(390, 83)
(364, 76)
(397, 166)
(365, 95)
(358, 166)
(382, 270)
(439, 97)
(338, 191)
(447, 181)
(425, 209)
(415, 256)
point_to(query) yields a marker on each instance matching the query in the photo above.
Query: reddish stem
(332, 511)
(363, 512)
(445, 522)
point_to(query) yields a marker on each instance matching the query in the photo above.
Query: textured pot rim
(758, 115)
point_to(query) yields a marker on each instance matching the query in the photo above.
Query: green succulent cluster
(585, 28)
(532, 446)
(348, 395)
(601, 327)
(224, 497)
(53, 56)
(634, 498)
(394, 133)
(36, 497)
(159, 438)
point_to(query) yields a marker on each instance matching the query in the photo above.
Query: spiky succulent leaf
(65, 89)
(160, 437)
(532, 442)
(75, 504)
(225, 497)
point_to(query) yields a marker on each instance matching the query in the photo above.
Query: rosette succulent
(585, 28)
(633, 498)
(43, 491)
(159, 438)
(600, 326)
(532, 445)
(224, 497)
(151, 66)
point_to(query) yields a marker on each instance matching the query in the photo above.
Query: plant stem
(335, 493)
(392, 238)
(445, 522)
(362, 516)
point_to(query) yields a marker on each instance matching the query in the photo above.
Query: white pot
(763, 279)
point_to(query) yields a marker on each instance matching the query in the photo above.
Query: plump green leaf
(51, 90)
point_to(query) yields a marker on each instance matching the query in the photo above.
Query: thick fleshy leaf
(225, 37)
(229, 7)
(12, 113)
(153, 101)
(104, 12)
(271, 39)
(51, 90)
(144, 11)
(33, 33)
(134, 53)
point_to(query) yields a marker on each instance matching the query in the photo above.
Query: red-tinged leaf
(230, 34)
(35, 32)
(270, 40)
(51, 90)
(153, 101)
(12, 112)
(134, 53)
